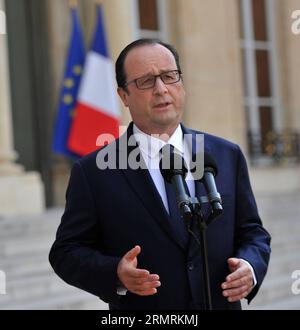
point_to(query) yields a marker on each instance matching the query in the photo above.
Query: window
(261, 92)
(150, 19)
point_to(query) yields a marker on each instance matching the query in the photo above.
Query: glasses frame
(155, 77)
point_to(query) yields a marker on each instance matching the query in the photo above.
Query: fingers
(236, 291)
(142, 280)
(136, 272)
(239, 283)
(146, 287)
(233, 263)
(238, 294)
(149, 292)
(138, 281)
(238, 269)
(148, 278)
(245, 280)
(133, 253)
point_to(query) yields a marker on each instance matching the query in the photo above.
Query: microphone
(208, 179)
(174, 170)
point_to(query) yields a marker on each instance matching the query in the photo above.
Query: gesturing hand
(138, 281)
(240, 282)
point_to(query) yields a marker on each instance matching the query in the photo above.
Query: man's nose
(159, 86)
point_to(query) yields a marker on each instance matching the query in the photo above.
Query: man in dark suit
(120, 238)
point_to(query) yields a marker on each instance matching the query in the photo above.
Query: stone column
(209, 44)
(118, 22)
(20, 192)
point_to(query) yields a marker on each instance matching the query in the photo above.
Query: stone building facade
(241, 70)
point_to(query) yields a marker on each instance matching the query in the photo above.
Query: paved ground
(281, 216)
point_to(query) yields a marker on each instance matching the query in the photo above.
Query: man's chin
(166, 125)
(167, 119)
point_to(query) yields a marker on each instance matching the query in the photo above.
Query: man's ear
(123, 95)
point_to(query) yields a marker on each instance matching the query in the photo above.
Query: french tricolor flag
(97, 110)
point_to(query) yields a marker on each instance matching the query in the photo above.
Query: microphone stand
(190, 208)
(194, 211)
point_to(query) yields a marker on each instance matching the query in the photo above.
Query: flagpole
(75, 57)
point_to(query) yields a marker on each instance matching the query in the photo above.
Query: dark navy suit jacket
(110, 211)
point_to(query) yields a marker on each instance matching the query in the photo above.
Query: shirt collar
(151, 144)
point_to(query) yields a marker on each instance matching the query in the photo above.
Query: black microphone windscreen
(171, 163)
(209, 161)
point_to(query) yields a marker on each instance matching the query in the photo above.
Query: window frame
(162, 19)
(249, 45)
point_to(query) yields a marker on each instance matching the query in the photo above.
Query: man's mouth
(162, 105)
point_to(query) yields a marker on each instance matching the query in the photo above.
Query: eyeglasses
(168, 78)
